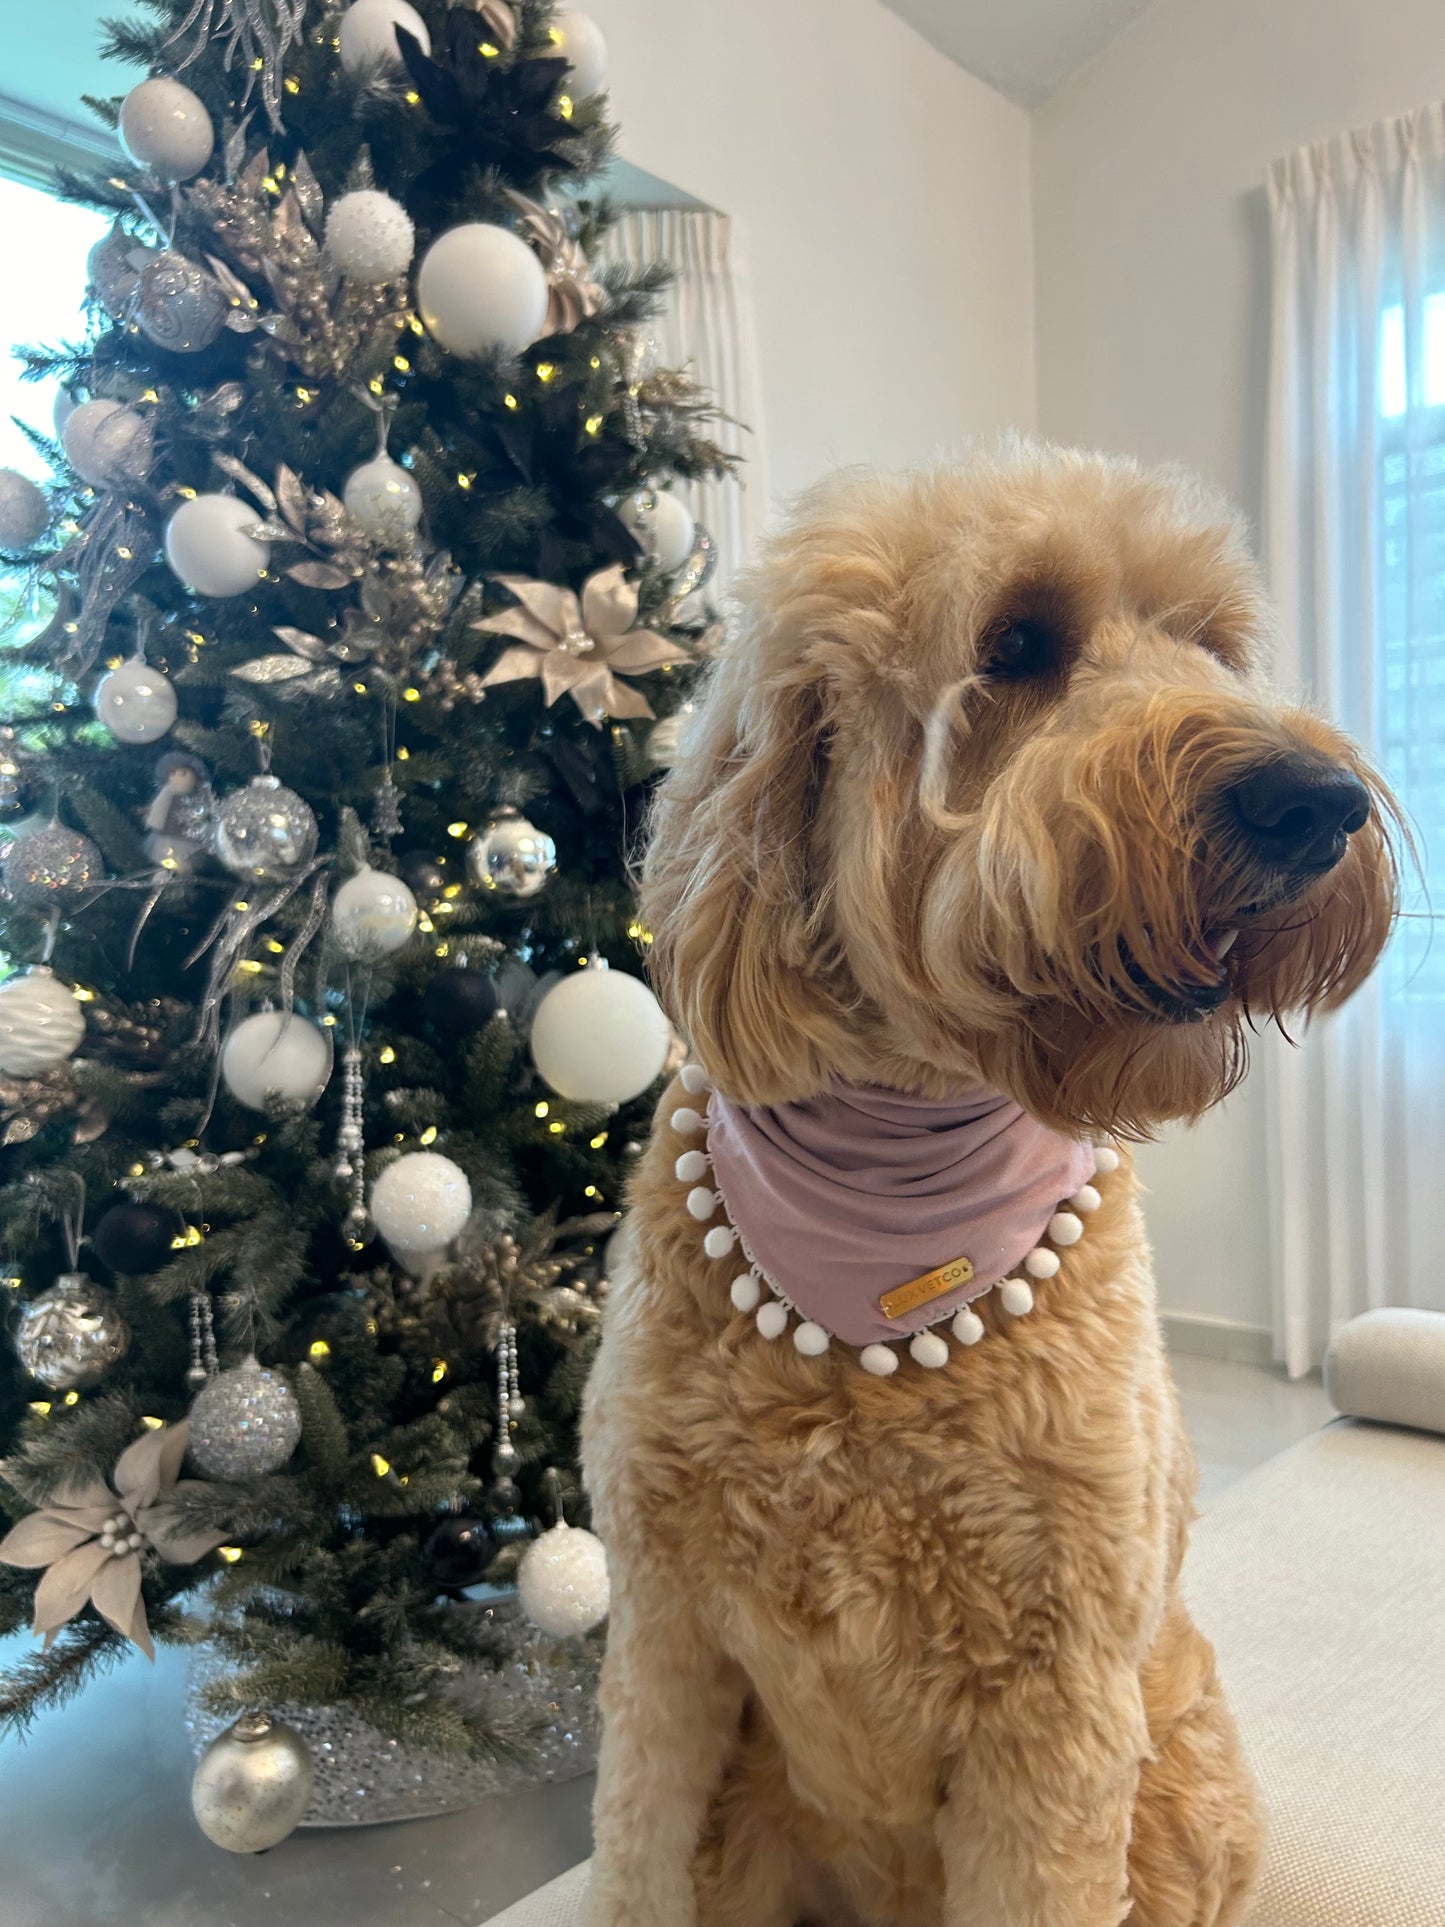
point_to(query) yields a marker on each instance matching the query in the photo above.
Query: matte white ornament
(372, 915)
(880, 1360)
(701, 1203)
(1106, 1159)
(370, 237)
(929, 1350)
(1086, 1199)
(41, 1023)
(578, 39)
(482, 291)
(691, 1167)
(24, 511)
(252, 1785)
(1017, 1295)
(368, 34)
(695, 1079)
(420, 1203)
(273, 1055)
(746, 1291)
(968, 1327)
(687, 1122)
(562, 1582)
(1041, 1263)
(165, 127)
(600, 1036)
(1065, 1228)
(209, 549)
(384, 501)
(772, 1320)
(811, 1340)
(135, 702)
(107, 444)
(662, 525)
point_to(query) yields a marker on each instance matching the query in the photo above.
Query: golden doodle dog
(989, 848)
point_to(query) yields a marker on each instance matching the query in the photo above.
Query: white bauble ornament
(41, 1023)
(562, 1583)
(384, 501)
(135, 702)
(600, 1036)
(252, 1785)
(107, 444)
(420, 1203)
(662, 525)
(244, 1423)
(165, 127)
(372, 914)
(481, 291)
(511, 856)
(24, 511)
(264, 831)
(208, 546)
(273, 1055)
(368, 34)
(578, 39)
(370, 237)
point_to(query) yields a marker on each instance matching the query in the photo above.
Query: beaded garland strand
(773, 1312)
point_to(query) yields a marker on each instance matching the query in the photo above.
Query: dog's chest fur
(880, 1557)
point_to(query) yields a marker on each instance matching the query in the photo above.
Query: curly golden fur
(911, 1652)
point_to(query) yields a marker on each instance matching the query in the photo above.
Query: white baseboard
(1203, 1337)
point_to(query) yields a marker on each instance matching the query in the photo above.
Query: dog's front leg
(671, 1707)
(1035, 1830)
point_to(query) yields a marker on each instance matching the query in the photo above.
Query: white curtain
(706, 326)
(1356, 542)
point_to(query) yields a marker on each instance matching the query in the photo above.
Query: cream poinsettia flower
(580, 648)
(91, 1539)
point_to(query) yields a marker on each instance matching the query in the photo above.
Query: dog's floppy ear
(731, 890)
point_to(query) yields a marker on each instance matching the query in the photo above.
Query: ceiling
(1027, 49)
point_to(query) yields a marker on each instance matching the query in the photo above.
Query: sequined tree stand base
(363, 1778)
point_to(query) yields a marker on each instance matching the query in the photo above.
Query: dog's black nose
(1298, 811)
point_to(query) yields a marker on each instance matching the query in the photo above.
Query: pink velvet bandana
(853, 1196)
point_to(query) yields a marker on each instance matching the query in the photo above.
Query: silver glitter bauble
(511, 856)
(253, 1784)
(562, 1583)
(265, 831)
(178, 306)
(71, 1335)
(245, 1422)
(50, 864)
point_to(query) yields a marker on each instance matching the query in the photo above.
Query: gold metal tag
(922, 1291)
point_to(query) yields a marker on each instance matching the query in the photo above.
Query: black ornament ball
(135, 1237)
(424, 876)
(460, 1001)
(458, 1553)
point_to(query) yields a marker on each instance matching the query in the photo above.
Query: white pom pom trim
(695, 1079)
(1041, 1263)
(687, 1122)
(1106, 1159)
(772, 1319)
(811, 1340)
(719, 1241)
(702, 1203)
(968, 1327)
(880, 1360)
(1017, 1296)
(929, 1350)
(746, 1291)
(1065, 1229)
(1086, 1199)
(692, 1167)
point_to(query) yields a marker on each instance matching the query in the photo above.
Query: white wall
(1152, 282)
(882, 198)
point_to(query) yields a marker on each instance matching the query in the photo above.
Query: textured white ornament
(372, 914)
(165, 127)
(272, 1055)
(107, 444)
(24, 511)
(420, 1203)
(370, 237)
(209, 549)
(252, 1785)
(481, 291)
(70, 1335)
(244, 1423)
(600, 1037)
(578, 39)
(368, 34)
(662, 525)
(135, 702)
(384, 501)
(41, 1023)
(562, 1582)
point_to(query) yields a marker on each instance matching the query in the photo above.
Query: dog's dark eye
(1022, 648)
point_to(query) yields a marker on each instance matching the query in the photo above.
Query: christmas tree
(372, 614)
